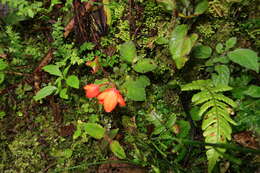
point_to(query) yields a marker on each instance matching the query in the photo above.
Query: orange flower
(91, 90)
(110, 97)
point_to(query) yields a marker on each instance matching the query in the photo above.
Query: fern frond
(225, 99)
(201, 97)
(216, 121)
(221, 88)
(195, 85)
(206, 106)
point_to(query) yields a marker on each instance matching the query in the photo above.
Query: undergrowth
(170, 86)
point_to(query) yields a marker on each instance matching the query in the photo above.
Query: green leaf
(143, 81)
(136, 93)
(3, 65)
(73, 81)
(184, 128)
(30, 13)
(128, 52)
(201, 7)
(177, 39)
(63, 93)
(117, 149)
(194, 112)
(212, 156)
(94, 130)
(202, 52)
(246, 58)
(2, 77)
(161, 41)
(223, 75)
(180, 45)
(230, 43)
(86, 46)
(219, 48)
(136, 89)
(44, 92)
(2, 114)
(253, 91)
(144, 65)
(53, 70)
(168, 5)
(222, 59)
(77, 133)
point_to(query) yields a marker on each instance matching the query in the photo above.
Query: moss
(218, 8)
(206, 30)
(26, 151)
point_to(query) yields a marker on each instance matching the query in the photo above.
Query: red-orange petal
(92, 90)
(110, 101)
(120, 100)
(102, 95)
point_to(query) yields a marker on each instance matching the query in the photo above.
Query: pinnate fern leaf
(216, 120)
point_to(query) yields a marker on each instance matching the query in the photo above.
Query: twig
(18, 73)
(46, 60)
(131, 18)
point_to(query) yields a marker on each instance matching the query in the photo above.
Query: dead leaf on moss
(246, 139)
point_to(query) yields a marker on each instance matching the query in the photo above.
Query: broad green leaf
(246, 58)
(94, 130)
(113, 133)
(53, 70)
(3, 65)
(73, 81)
(161, 41)
(219, 48)
(128, 52)
(143, 81)
(77, 133)
(194, 112)
(63, 93)
(177, 39)
(168, 5)
(222, 78)
(222, 59)
(117, 149)
(186, 47)
(180, 45)
(2, 77)
(230, 43)
(44, 92)
(253, 91)
(136, 93)
(202, 52)
(135, 89)
(201, 7)
(144, 65)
